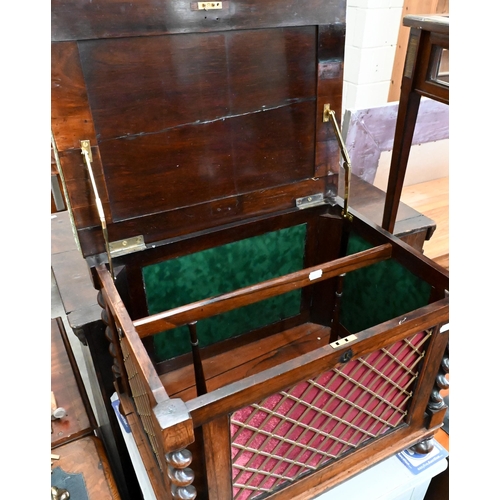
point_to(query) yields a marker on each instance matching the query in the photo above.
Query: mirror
(440, 66)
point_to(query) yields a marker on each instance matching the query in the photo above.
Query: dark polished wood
(411, 226)
(79, 299)
(221, 133)
(241, 392)
(264, 290)
(201, 386)
(267, 382)
(67, 392)
(206, 127)
(137, 86)
(172, 178)
(63, 243)
(218, 458)
(80, 20)
(144, 448)
(87, 456)
(72, 438)
(426, 35)
(242, 361)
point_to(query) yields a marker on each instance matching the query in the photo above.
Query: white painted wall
(372, 28)
(427, 162)
(371, 37)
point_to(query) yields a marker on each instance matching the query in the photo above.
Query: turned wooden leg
(181, 475)
(423, 447)
(436, 401)
(112, 336)
(437, 407)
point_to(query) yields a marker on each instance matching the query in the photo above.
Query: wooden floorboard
(431, 198)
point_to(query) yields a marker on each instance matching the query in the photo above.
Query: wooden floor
(431, 198)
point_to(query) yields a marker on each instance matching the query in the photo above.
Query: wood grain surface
(80, 19)
(76, 423)
(86, 456)
(431, 198)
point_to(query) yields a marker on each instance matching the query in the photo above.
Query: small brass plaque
(344, 341)
(209, 5)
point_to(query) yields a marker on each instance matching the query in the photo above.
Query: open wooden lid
(196, 118)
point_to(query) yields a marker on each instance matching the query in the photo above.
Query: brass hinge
(310, 201)
(126, 246)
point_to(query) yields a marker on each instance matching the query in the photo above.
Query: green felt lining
(222, 269)
(379, 292)
(371, 295)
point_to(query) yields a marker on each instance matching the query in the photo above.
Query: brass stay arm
(87, 153)
(329, 114)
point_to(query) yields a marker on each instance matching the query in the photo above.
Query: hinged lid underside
(198, 125)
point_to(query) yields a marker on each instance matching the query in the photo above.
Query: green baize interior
(371, 295)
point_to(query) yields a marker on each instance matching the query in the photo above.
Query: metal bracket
(347, 355)
(329, 114)
(87, 154)
(86, 149)
(310, 201)
(344, 341)
(326, 113)
(129, 245)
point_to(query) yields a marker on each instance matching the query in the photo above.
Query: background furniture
(369, 132)
(73, 439)
(425, 74)
(78, 299)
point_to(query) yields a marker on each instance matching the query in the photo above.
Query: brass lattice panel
(296, 431)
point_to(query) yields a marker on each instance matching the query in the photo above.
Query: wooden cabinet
(76, 451)
(265, 338)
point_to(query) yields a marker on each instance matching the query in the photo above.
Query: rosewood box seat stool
(266, 339)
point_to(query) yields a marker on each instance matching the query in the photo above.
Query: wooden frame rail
(174, 423)
(211, 412)
(167, 413)
(195, 311)
(212, 405)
